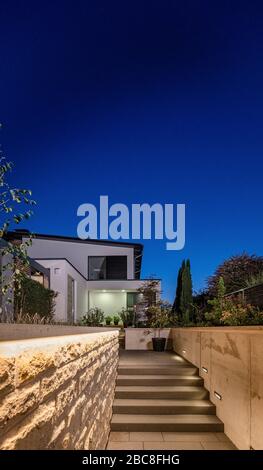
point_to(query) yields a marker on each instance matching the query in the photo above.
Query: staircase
(161, 392)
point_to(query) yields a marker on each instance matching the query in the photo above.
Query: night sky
(143, 101)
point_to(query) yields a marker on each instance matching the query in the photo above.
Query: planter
(158, 344)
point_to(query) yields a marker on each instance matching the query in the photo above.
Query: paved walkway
(163, 440)
(169, 441)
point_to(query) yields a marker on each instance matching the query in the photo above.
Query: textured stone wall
(57, 393)
(230, 362)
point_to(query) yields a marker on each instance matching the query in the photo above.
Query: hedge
(33, 298)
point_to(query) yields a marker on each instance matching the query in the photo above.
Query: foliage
(217, 304)
(184, 293)
(255, 280)
(159, 316)
(150, 291)
(116, 319)
(186, 299)
(176, 305)
(127, 317)
(35, 319)
(199, 307)
(236, 271)
(241, 314)
(108, 319)
(227, 311)
(10, 199)
(94, 317)
(32, 298)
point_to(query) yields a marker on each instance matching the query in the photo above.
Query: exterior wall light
(204, 369)
(217, 395)
(184, 351)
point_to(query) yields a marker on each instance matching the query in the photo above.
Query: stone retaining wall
(230, 362)
(11, 331)
(57, 393)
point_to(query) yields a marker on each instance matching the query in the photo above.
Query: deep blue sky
(146, 101)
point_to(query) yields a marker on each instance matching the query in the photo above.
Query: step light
(217, 395)
(204, 369)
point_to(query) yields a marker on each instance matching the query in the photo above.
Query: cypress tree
(186, 297)
(177, 300)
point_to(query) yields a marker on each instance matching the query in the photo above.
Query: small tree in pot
(159, 317)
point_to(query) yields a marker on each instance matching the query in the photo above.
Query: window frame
(106, 278)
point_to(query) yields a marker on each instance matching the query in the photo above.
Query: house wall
(59, 271)
(233, 359)
(131, 285)
(77, 253)
(57, 393)
(141, 338)
(110, 302)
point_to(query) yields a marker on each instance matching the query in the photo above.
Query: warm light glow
(123, 290)
(104, 290)
(217, 395)
(184, 351)
(205, 369)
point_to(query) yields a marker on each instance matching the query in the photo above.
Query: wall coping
(14, 348)
(20, 331)
(223, 329)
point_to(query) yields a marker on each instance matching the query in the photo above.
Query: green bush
(94, 317)
(127, 317)
(108, 319)
(32, 298)
(226, 311)
(116, 320)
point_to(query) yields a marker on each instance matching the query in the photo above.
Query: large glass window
(132, 299)
(97, 267)
(107, 267)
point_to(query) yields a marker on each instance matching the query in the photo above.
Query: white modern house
(87, 273)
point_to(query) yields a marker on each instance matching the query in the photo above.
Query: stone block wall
(57, 392)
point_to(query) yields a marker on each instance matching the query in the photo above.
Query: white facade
(59, 272)
(67, 259)
(77, 253)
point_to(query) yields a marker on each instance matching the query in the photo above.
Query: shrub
(127, 317)
(159, 316)
(116, 320)
(32, 298)
(108, 319)
(236, 271)
(227, 311)
(94, 317)
(241, 314)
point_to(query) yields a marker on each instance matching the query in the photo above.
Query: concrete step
(156, 370)
(165, 392)
(162, 407)
(168, 423)
(156, 380)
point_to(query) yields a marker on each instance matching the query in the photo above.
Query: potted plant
(158, 318)
(116, 320)
(108, 319)
(94, 317)
(127, 317)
